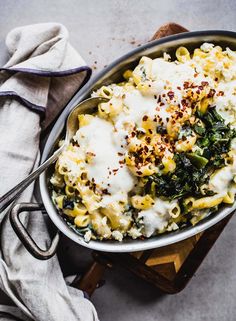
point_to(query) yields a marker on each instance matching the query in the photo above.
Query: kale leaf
(193, 170)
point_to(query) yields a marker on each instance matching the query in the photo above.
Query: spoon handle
(11, 195)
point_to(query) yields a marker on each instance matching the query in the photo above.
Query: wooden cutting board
(169, 268)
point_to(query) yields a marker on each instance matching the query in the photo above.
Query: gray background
(102, 31)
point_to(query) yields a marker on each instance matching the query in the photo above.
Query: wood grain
(168, 29)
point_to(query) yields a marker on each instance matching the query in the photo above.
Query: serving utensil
(71, 128)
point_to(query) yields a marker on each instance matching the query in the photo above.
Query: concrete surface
(102, 31)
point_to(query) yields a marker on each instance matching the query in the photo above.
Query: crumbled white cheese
(56, 180)
(134, 233)
(166, 56)
(172, 227)
(206, 47)
(117, 235)
(87, 236)
(156, 218)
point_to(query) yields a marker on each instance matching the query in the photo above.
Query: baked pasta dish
(159, 154)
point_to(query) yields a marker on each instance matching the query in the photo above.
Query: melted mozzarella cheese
(99, 139)
(170, 71)
(225, 105)
(157, 217)
(219, 182)
(138, 105)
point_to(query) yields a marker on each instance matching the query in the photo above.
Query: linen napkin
(42, 74)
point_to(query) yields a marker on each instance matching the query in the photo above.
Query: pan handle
(24, 235)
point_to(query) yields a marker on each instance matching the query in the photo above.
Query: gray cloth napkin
(41, 64)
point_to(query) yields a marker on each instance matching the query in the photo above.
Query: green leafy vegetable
(197, 161)
(185, 180)
(194, 169)
(68, 204)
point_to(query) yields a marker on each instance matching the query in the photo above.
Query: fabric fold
(38, 53)
(36, 287)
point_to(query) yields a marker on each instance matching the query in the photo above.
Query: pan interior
(112, 74)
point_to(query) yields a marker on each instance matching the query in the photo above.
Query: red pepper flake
(145, 118)
(220, 93)
(186, 85)
(205, 83)
(179, 114)
(105, 191)
(211, 93)
(200, 87)
(120, 154)
(195, 75)
(159, 99)
(184, 102)
(171, 94)
(83, 176)
(91, 154)
(179, 87)
(216, 79)
(139, 172)
(162, 104)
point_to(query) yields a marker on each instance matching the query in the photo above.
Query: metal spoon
(71, 128)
